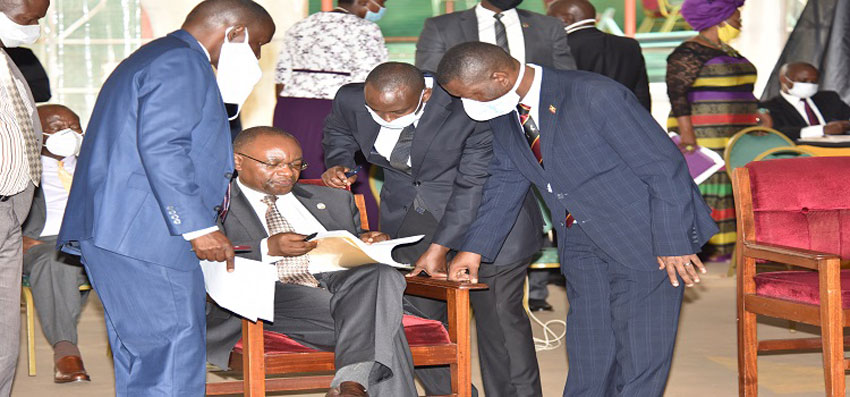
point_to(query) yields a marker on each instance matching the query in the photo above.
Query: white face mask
(803, 90)
(14, 35)
(238, 71)
(64, 143)
(483, 111)
(403, 121)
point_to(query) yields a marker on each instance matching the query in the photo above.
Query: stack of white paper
(340, 250)
(248, 291)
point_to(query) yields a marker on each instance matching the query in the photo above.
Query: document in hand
(702, 163)
(248, 291)
(343, 249)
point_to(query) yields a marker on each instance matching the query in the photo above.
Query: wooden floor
(704, 363)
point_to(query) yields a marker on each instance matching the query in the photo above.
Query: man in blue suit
(150, 182)
(631, 219)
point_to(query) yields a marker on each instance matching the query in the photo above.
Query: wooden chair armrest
(789, 255)
(437, 288)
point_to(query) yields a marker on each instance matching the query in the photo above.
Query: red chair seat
(419, 332)
(798, 286)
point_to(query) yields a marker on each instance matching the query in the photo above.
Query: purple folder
(702, 163)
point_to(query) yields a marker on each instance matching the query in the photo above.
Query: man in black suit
(526, 35)
(435, 161)
(371, 351)
(619, 58)
(800, 110)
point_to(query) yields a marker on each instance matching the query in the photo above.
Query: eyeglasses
(297, 165)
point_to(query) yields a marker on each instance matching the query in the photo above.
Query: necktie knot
(269, 199)
(498, 16)
(523, 109)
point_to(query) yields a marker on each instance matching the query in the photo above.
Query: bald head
(800, 72)
(395, 89)
(211, 19)
(571, 11)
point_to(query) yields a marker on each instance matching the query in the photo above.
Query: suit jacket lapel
(469, 25)
(549, 105)
(427, 129)
(310, 202)
(791, 110)
(517, 144)
(242, 212)
(529, 36)
(369, 130)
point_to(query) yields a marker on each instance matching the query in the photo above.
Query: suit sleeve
(501, 202)
(430, 47)
(842, 109)
(781, 121)
(171, 104)
(468, 186)
(651, 155)
(338, 138)
(562, 57)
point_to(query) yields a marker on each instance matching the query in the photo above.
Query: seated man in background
(617, 57)
(55, 277)
(801, 110)
(314, 304)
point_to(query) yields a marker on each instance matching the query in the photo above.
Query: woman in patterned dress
(318, 55)
(710, 86)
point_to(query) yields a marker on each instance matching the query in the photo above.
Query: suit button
(228, 175)
(217, 208)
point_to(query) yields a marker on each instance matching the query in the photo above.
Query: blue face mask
(375, 16)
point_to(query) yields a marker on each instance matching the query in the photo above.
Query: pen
(353, 172)
(311, 236)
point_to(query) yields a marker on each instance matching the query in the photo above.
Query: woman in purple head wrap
(710, 86)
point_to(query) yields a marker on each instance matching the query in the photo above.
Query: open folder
(345, 250)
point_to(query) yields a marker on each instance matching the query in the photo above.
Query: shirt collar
(532, 97)
(583, 24)
(51, 162)
(790, 98)
(252, 195)
(207, 53)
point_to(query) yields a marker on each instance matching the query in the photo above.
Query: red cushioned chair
(794, 212)
(262, 353)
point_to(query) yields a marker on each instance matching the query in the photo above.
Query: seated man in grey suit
(55, 277)
(327, 310)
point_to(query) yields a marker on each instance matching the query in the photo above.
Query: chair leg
(30, 315)
(831, 330)
(747, 337)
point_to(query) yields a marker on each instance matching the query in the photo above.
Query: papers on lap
(344, 250)
(702, 163)
(248, 291)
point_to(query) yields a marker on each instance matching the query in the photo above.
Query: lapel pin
(552, 109)
(525, 25)
(321, 206)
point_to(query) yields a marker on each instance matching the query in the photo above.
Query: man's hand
(216, 247)
(29, 243)
(289, 244)
(335, 177)
(432, 262)
(837, 127)
(464, 267)
(683, 266)
(374, 237)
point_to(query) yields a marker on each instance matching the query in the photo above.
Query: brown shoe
(70, 369)
(348, 389)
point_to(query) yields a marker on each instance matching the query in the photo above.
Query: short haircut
(247, 136)
(472, 62)
(785, 68)
(393, 76)
(227, 12)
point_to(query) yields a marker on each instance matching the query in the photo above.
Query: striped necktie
(501, 33)
(290, 269)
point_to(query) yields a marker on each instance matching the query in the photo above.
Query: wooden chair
(262, 353)
(793, 212)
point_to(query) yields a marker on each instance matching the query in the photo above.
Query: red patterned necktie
(810, 113)
(290, 269)
(532, 135)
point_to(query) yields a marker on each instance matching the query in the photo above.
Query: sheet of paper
(343, 249)
(248, 291)
(827, 139)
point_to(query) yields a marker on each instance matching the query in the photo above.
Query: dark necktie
(501, 33)
(532, 135)
(401, 152)
(810, 113)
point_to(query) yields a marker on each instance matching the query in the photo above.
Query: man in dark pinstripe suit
(632, 217)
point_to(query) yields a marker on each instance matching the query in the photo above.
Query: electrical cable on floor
(551, 340)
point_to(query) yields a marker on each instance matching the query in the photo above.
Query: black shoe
(537, 305)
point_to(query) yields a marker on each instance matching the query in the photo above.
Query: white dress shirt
(811, 131)
(532, 97)
(513, 27)
(302, 221)
(388, 137)
(55, 195)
